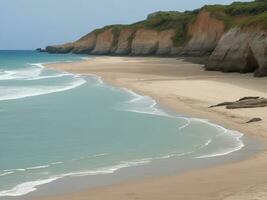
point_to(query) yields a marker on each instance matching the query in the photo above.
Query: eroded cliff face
(65, 48)
(145, 42)
(165, 42)
(104, 43)
(86, 44)
(241, 51)
(234, 50)
(124, 42)
(205, 33)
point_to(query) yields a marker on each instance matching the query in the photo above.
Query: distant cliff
(234, 37)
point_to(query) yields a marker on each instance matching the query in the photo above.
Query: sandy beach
(189, 90)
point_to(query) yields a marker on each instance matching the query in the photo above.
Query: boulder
(256, 119)
(65, 48)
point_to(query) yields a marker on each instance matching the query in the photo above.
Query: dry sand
(187, 89)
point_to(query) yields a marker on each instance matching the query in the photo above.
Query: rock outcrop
(165, 42)
(256, 119)
(246, 102)
(145, 42)
(65, 48)
(85, 45)
(205, 34)
(241, 50)
(104, 43)
(124, 42)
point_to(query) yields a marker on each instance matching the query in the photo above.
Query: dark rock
(241, 51)
(221, 104)
(245, 102)
(246, 98)
(254, 120)
(249, 103)
(65, 48)
(40, 50)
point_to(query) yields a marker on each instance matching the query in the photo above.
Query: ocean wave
(147, 105)
(236, 136)
(32, 168)
(13, 170)
(30, 73)
(28, 187)
(31, 186)
(142, 104)
(38, 167)
(6, 173)
(20, 74)
(11, 93)
(185, 125)
(97, 79)
(25, 188)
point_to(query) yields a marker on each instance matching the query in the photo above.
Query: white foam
(10, 93)
(185, 125)
(148, 106)
(25, 188)
(98, 79)
(38, 167)
(6, 173)
(57, 163)
(50, 76)
(85, 58)
(20, 74)
(20, 170)
(142, 104)
(238, 146)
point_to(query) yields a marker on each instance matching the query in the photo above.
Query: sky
(29, 24)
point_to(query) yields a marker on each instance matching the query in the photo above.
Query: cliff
(233, 36)
(241, 51)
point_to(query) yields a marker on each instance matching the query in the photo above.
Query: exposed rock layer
(205, 34)
(240, 51)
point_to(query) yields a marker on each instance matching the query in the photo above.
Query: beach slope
(190, 90)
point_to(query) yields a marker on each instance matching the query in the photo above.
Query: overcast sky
(28, 24)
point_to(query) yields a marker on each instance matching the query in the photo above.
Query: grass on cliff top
(241, 13)
(170, 20)
(160, 21)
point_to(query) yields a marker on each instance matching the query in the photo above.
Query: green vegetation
(241, 13)
(258, 21)
(170, 20)
(244, 14)
(116, 33)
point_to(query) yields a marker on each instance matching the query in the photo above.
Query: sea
(55, 125)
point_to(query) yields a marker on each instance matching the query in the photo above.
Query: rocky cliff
(233, 36)
(205, 34)
(241, 51)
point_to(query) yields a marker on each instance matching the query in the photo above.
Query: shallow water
(56, 124)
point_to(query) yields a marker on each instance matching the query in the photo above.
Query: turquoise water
(56, 124)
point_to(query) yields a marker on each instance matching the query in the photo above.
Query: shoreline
(141, 82)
